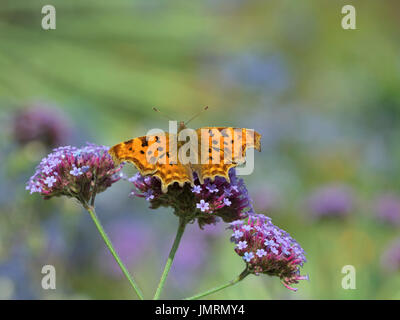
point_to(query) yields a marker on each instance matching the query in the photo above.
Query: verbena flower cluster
(331, 201)
(80, 173)
(391, 257)
(388, 209)
(40, 123)
(204, 202)
(267, 249)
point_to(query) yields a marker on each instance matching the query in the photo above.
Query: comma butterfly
(213, 151)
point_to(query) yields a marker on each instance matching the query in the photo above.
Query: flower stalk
(243, 275)
(110, 247)
(171, 256)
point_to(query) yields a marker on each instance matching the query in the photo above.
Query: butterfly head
(181, 126)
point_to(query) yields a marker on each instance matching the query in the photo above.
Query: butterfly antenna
(162, 113)
(196, 115)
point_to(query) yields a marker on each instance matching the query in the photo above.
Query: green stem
(168, 264)
(96, 221)
(243, 275)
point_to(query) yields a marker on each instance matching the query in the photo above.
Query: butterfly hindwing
(171, 173)
(150, 156)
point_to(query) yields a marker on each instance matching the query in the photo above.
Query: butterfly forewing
(222, 148)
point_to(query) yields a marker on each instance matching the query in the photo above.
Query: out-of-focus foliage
(326, 100)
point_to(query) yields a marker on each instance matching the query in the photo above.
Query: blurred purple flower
(204, 202)
(41, 123)
(331, 201)
(131, 240)
(390, 260)
(267, 249)
(72, 172)
(387, 208)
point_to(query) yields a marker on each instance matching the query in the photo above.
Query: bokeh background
(326, 100)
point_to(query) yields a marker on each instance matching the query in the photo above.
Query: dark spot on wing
(116, 148)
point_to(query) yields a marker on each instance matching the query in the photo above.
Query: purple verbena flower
(242, 245)
(40, 123)
(268, 249)
(204, 202)
(247, 228)
(49, 181)
(72, 172)
(149, 195)
(391, 257)
(261, 253)
(196, 189)
(76, 171)
(331, 201)
(387, 208)
(237, 234)
(248, 256)
(203, 206)
(212, 188)
(47, 169)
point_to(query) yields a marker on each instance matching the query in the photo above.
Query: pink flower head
(72, 172)
(204, 202)
(267, 249)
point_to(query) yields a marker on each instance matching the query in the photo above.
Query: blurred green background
(326, 100)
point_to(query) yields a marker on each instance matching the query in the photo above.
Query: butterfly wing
(150, 155)
(221, 148)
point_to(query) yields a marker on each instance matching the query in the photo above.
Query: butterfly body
(213, 151)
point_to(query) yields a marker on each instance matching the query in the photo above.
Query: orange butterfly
(217, 149)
